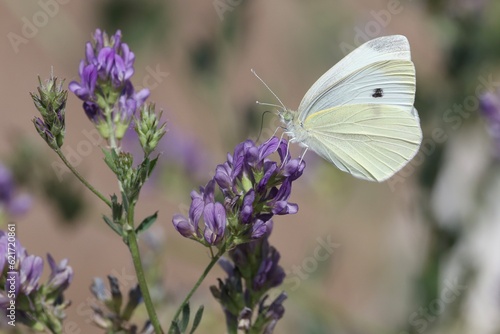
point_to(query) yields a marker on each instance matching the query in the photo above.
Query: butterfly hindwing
(370, 141)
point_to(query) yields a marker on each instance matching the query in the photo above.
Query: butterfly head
(287, 116)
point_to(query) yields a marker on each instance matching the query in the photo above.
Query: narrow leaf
(174, 328)
(152, 164)
(134, 299)
(117, 210)
(113, 226)
(116, 294)
(185, 318)
(197, 319)
(125, 201)
(146, 223)
(109, 159)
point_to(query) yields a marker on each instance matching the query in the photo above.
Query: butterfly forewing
(385, 83)
(355, 71)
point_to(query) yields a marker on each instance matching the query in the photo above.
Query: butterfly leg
(303, 153)
(287, 145)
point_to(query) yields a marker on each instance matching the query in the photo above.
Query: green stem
(139, 271)
(198, 283)
(111, 127)
(82, 179)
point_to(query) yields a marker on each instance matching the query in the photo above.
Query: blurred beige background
(380, 230)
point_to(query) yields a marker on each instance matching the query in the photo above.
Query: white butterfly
(359, 115)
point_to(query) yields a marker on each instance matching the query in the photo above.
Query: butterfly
(359, 115)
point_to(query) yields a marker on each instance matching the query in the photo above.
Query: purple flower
(6, 185)
(85, 89)
(61, 274)
(129, 101)
(105, 87)
(186, 227)
(23, 277)
(189, 227)
(214, 216)
(252, 269)
(273, 312)
(223, 177)
(270, 274)
(490, 107)
(260, 228)
(124, 66)
(185, 151)
(13, 203)
(268, 148)
(30, 271)
(247, 207)
(254, 188)
(99, 290)
(93, 112)
(99, 38)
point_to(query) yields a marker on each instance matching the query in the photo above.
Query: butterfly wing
(369, 141)
(378, 72)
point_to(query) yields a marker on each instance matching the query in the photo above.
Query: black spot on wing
(378, 92)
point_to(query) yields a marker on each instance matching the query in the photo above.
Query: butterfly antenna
(261, 125)
(268, 104)
(276, 96)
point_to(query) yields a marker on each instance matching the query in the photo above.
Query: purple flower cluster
(27, 273)
(254, 188)
(14, 204)
(490, 108)
(105, 85)
(252, 270)
(257, 262)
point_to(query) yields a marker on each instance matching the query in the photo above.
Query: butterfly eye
(378, 92)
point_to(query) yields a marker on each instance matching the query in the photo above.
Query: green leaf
(113, 226)
(174, 329)
(116, 294)
(109, 159)
(197, 319)
(152, 165)
(117, 210)
(125, 201)
(146, 223)
(185, 318)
